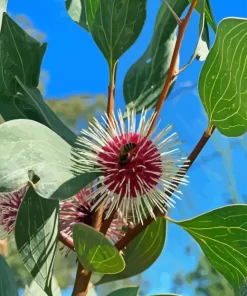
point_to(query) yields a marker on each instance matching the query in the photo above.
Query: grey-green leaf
(221, 234)
(35, 290)
(31, 105)
(76, 10)
(223, 79)
(126, 291)
(142, 252)
(20, 59)
(115, 24)
(95, 252)
(28, 145)
(36, 232)
(145, 79)
(7, 282)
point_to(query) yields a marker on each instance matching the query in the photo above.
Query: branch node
(177, 18)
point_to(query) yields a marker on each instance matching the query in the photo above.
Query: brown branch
(83, 276)
(111, 91)
(81, 282)
(3, 245)
(172, 70)
(132, 233)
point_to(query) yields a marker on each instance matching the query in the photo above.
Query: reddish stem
(172, 70)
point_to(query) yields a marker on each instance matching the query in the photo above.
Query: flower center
(132, 169)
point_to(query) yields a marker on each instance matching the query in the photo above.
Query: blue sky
(76, 66)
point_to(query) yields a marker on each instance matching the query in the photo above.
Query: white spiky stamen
(146, 181)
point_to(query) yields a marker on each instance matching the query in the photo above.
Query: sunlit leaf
(145, 79)
(95, 252)
(36, 236)
(76, 10)
(223, 79)
(142, 252)
(7, 281)
(28, 145)
(221, 234)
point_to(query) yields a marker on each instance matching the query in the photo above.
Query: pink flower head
(137, 169)
(9, 206)
(79, 209)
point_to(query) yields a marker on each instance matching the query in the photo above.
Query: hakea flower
(78, 209)
(137, 168)
(9, 206)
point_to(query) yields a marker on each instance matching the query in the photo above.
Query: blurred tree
(105, 289)
(204, 280)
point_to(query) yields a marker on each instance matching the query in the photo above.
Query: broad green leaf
(36, 232)
(115, 24)
(145, 79)
(35, 290)
(7, 281)
(28, 145)
(209, 14)
(126, 291)
(21, 56)
(95, 252)
(20, 59)
(76, 10)
(222, 82)
(142, 252)
(221, 234)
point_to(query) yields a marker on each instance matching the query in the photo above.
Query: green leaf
(115, 24)
(209, 16)
(95, 252)
(21, 58)
(31, 105)
(208, 13)
(126, 291)
(3, 7)
(28, 145)
(36, 232)
(76, 10)
(7, 281)
(145, 79)
(35, 290)
(202, 47)
(221, 234)
(222, 82)
(142, 252)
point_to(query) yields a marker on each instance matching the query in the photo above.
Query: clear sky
(76, 66)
